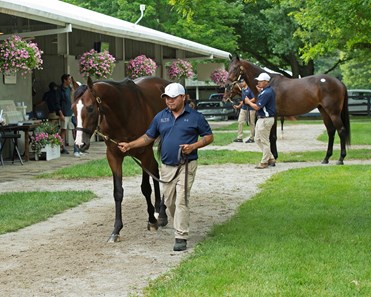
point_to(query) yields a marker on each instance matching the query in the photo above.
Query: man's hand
(186, 148)
(124, 146)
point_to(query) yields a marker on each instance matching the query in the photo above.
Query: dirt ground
(68, 255)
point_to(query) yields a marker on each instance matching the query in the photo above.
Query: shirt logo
(165, 120)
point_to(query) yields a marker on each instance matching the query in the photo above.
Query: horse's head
(235, 73)
(85, 108)
(231, 90)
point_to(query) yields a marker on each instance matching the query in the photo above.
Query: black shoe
(249, 141)
(180, 245)
(64, 151)
(238, 140)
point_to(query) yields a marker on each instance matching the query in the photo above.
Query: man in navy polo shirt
(266, 112)
(179, 127)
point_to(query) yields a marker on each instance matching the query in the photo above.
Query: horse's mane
(119, 83)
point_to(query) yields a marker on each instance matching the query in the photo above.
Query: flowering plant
(19, 55)
(141, 66)
(219, 76)
(45, 134)
(97, 64)
(180, 69)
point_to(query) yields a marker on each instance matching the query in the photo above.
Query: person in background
(243, 115)
(64, 109)
(51, 97)
(179, 127)
(266, 112)
(251, 118)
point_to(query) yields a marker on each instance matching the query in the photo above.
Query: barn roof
(71, 16)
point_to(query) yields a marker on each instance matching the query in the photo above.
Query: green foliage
(286, 242)
(328, 26)
(357, 72)
(21, 209)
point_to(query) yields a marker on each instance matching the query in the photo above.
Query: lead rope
(182, 158)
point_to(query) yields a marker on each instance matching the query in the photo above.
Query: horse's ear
(74, 83)
(237, 57)
(230, 57)
(90, 82)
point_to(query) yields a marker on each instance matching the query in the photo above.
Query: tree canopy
(279, 34)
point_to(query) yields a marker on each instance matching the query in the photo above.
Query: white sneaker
(82, 154)
(76, 154)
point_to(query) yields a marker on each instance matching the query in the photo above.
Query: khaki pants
(262, 131)
(176, 202)
(242, 118)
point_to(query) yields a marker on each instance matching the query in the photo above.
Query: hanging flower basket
(99, 65)
(219, 77)
(18, 55)
(141, 66)
(180, 69)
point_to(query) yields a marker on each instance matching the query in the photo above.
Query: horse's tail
(345, 117)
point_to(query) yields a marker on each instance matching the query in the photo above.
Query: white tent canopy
(65, 15)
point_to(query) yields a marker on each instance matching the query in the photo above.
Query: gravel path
(68, 255)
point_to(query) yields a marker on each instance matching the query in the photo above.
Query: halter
(235, 82)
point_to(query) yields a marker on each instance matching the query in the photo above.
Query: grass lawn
(21, 209)
(306, 234)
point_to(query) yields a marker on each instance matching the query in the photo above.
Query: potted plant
(141, 66)
(97, 64)
(180, 69)
(46, 140)
(219, 76)
(18, 55)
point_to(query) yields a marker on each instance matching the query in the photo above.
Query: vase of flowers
(219, 76)
(46, 140)
(141, 66)
(97, 64)
(18, 55)
(180, 69)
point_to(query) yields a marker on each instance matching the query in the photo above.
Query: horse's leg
(147, 191)
(330, 132)
(115, 163)
(118, 194)
(160, 207)
(338, 123)
(273, 139)
(282, 121)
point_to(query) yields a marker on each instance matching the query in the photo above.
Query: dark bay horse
(299, 96)
(122, 111)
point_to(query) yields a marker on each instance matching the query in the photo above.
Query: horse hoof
(339, 163)
(152, 226)
(162, 222)
(324, 162)
(114, 238)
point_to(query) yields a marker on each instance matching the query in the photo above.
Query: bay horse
(122, 111)
(301, 95)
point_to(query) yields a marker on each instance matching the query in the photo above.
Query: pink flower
(141, 66)
(180, 69)
(19, 55)
(219, 77)
(99, 65)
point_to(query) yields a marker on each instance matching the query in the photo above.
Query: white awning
(62, 14)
